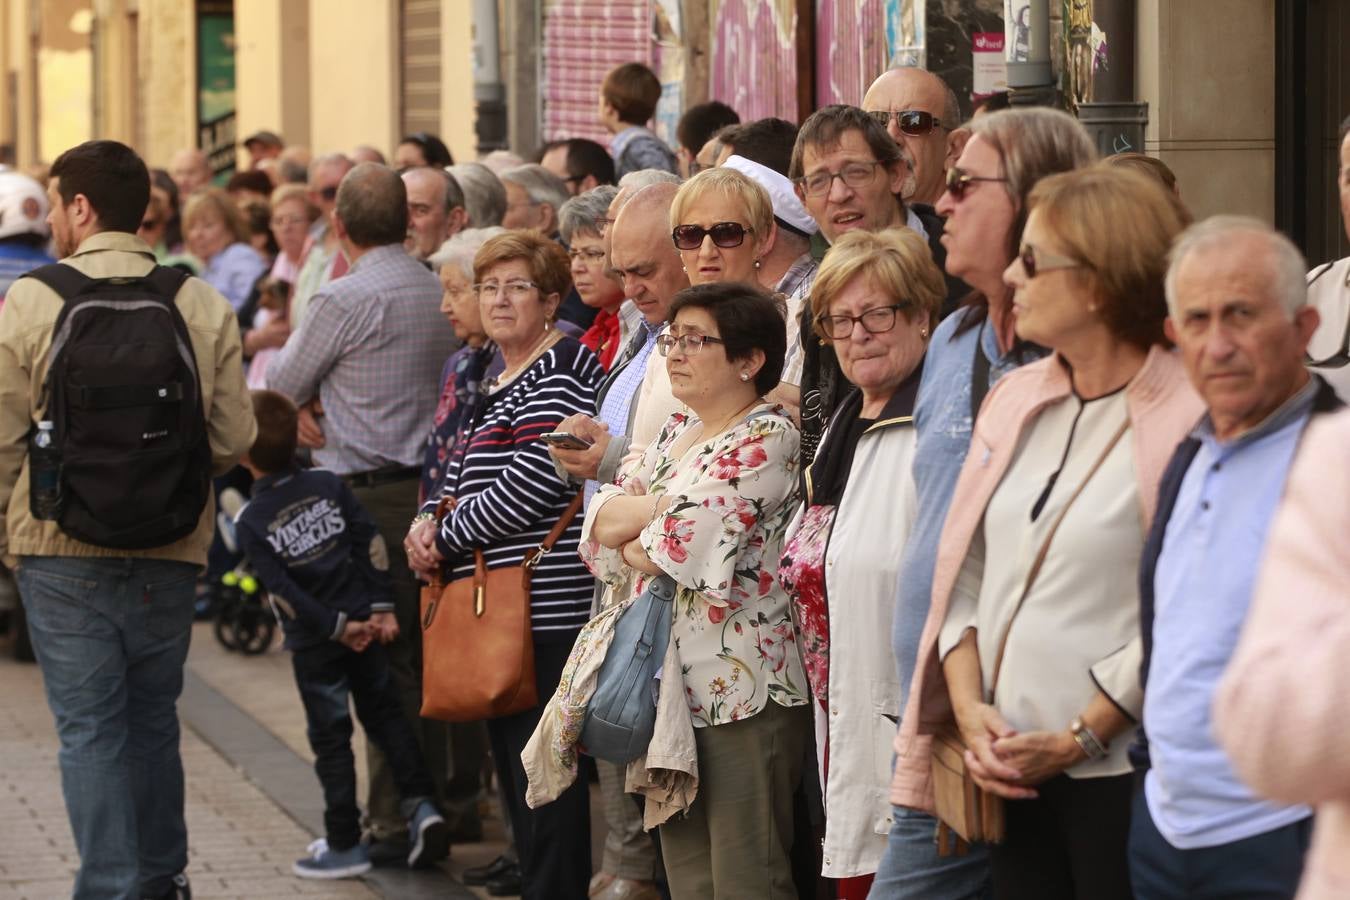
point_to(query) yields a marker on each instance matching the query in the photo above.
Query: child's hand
(357, 635)
(384, 626)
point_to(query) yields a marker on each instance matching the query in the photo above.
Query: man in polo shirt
(1238, 312)
(371, 350)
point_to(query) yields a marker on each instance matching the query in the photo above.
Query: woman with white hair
(592, 278)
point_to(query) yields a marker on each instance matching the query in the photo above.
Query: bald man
(190, 170)
(921, 113)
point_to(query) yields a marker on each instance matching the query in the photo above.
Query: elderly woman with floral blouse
(708, 504)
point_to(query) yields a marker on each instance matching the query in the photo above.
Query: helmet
(23, 205)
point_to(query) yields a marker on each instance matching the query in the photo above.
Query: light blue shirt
(942, 425)
(619, 398)
(1203, 584)
(233, 271)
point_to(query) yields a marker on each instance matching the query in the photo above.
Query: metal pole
(1031, 81)
(489, 93)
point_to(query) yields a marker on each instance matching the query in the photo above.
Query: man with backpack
(121, 392)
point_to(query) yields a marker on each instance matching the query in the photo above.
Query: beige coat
(26, 324)
(1280, 709)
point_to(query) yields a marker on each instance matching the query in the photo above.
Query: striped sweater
(509, 495)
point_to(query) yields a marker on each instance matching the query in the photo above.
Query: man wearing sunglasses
(920, 112)
(322, 262)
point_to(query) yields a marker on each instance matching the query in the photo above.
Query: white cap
(786, 206)
(23, 205)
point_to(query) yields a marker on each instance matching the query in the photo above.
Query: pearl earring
(745, 376)
(756, 264)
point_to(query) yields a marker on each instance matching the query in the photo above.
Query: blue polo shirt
(1212, 551)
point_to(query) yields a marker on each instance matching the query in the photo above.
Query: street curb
(289, 782)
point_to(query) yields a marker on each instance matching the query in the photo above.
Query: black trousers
(553, 841)
(327, 675)
(1067, 844)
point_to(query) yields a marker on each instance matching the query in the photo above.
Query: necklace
(550, 337)
(709, 435)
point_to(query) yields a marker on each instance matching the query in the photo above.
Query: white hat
(23, 205)
(786, 206)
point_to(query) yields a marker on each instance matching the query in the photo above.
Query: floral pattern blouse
(720, 539)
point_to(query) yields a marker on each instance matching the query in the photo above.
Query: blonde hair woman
(722, 224)
(217, 234)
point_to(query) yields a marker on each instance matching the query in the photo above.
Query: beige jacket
(26, 324)
(1280, 708)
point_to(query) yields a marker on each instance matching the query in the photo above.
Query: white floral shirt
(720, 539)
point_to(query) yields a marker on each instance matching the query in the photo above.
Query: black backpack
(124, 396)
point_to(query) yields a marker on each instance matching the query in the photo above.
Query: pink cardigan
(1162, 408)
(1280, 710)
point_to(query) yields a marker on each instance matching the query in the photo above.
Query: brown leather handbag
(477, 650)
(967, 813)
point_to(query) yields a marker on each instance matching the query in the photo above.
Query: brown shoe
(628, 889)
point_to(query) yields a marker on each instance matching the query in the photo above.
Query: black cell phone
(565, 439)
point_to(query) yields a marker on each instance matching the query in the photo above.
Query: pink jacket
(1162, 408)
(1280, 710)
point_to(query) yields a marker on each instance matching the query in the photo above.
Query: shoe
(389, 851)
(180, 889)
(330, 863)
(477, 876)
(507, 884)
(430, 838)
(628, 889)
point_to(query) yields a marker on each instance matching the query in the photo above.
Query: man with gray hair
(484, 195)
(322, 262)
(435, 209)
(1237, 309)
(371, 350)
(920, 112)
(533, 197)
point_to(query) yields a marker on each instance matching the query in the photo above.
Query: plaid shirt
(371, 347)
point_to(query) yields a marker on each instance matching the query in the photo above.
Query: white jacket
(862, 561)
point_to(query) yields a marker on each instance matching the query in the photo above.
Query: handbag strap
(546, 546)
(1045, 549)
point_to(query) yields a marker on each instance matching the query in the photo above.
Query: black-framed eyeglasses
(959, 181)
(912, 122)
(855, 175)
(1036, 261)
(877, 320)
(724, 234)
(690, 344)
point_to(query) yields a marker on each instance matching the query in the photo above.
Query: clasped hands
(382, 627)
(1010, 764)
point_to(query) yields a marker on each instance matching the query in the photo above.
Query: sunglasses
(1036, 261)
(329, 193)
(910, 121)
(959, 182)
(724, 234)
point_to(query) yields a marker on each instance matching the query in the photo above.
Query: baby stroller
(244, 618)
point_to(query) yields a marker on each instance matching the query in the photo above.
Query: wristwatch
(1092, 746)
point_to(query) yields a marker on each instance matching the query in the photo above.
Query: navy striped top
(509, 495)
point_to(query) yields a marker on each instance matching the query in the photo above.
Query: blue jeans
(327, 676)
(912, 870)
(111, 636)
(1264, 866)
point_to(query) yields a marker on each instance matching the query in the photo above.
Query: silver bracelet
(1087, 740)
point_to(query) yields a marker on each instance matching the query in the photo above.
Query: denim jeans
(912, 870)
(111, 636)
(327, 675)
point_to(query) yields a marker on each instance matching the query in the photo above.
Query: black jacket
(1169, 487)
(310, 543)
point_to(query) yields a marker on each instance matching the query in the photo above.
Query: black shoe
(506, 885)
(478, 876)
(180, 889)
(390, 851)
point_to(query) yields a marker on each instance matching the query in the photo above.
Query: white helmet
(23, 205)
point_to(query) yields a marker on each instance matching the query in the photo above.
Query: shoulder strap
(65, 280)
(544, 549)
(1045, 549)
(166, 280)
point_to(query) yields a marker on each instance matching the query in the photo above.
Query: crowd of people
(946, 433)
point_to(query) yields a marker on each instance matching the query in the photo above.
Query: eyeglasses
(149, 224)
(855, 175)
(690, 344)
(602, 225)
(724, 234)
(1036, 261)
(589, 257)
(514, 290)
(959, 181)
(283, 221)
(329, 193)
(877, 320)
(912, 122)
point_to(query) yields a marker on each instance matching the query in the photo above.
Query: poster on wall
(904, 34)
(989, 67)
(215, 85)
(668, 42)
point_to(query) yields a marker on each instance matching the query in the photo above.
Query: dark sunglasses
(910, 121)
(329, 193)
(1036, 261)
(149, 223)
(723, 234)
(959, 182)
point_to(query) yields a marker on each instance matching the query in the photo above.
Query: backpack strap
(167, 280)
(67, 281)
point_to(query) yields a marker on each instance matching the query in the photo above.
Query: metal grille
(584, 39)
(420, 64)
(850, 47)
(754, 58)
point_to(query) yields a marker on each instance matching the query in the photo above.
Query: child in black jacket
(320, 557)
